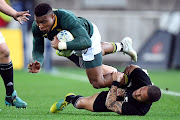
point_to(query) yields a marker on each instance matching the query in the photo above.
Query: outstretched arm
(18, 16)
(111, 102)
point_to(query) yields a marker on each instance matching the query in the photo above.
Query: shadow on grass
(89, 114)
(85, 114)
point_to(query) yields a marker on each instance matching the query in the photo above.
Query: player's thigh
(87, 102)
(95, 74)
(108, 69)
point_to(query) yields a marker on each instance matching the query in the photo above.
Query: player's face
(141, 94)
(45, 22)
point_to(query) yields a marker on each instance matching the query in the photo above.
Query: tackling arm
(111, 102)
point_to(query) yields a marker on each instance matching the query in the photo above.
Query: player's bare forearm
(111, 102)
(120, 92)
(5, 8)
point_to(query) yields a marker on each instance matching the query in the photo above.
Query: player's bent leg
(108, 69)
(124, 46)
(86, 102)
(95, 73)
(6, 71)
(14, 100)
(97, 79)
(107, 48)
(61, 105)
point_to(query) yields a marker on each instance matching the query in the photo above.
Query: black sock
(121, 47)
(6, 71)
(73, 99)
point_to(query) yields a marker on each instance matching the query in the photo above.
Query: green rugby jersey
(80, 28)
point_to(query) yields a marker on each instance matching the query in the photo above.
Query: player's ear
(52, 15)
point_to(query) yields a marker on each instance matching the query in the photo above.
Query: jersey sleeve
(129, 109)
(38, 45)
(139, 78)
(81, 38)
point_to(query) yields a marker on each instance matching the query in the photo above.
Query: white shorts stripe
(96, 45)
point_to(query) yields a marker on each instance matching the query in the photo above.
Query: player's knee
(130, 68)
(97, 84)
(103, 51)
(4, 53)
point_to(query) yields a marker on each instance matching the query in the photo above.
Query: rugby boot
(61, 105)
(128, 49)
(14, 100)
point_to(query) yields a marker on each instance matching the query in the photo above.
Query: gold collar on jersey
(55, 24)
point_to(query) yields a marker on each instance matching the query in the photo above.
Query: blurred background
(154, 26)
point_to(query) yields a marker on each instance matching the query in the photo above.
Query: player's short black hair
(154, 93)
(42, 9)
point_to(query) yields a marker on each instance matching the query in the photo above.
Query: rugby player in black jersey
(131, 93)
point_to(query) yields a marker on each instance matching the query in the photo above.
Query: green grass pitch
(41, 90)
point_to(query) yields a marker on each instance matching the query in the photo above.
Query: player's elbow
(88, 44)
(107, 104)
(81, 45)
(110, 105)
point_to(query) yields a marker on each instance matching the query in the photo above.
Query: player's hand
(55, 42)
(34, 67)
(120, 92)
(117, 76)
(22, 16)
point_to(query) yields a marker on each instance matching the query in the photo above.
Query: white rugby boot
(128, 49)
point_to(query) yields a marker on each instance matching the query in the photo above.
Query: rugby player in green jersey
(87, 43)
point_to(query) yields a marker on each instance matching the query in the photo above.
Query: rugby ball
(64, 36)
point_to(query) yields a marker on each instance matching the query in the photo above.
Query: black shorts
(77, 60)
(99, 103)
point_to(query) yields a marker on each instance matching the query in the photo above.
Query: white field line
(170, 93)
(83, 78)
